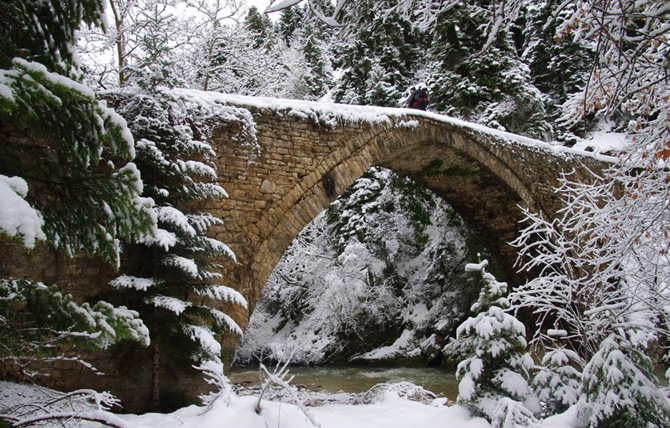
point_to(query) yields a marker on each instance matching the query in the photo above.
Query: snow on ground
(389, 411)
(602, 141)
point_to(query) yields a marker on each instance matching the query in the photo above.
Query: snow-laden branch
(82, 405)
(277, 377)
(213, 372)
(330, 20)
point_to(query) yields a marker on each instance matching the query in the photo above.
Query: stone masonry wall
(275, 195)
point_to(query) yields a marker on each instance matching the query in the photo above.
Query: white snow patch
(17, 217)
(172, 304)
(125, 281)
(391, 411)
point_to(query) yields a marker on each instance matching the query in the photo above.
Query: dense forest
(516, 81)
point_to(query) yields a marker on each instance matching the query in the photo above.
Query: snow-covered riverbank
(385, 410)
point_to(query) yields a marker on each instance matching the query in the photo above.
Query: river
(353, 379)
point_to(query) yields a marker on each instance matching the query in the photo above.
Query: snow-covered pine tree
(64, 177)
(378, 57)
(490, 86)
(601, 265)
(290, 22)
(619, 389)
(260, 26)
(175, 287)
(494, 376)
(558, 67)
(558, 380)
(115, 51)
(59, 143)
(317, 77)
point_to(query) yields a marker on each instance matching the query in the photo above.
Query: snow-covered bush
(494, 376)
(69, 410)
(619, 388)
(406, 390)
(558, 380)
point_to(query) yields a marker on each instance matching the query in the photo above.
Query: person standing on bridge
(417, 99)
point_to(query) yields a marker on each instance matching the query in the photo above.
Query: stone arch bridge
(307, 154)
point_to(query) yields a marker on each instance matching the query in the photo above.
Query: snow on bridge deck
(330, 114)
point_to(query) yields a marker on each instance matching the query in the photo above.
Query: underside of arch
(475, 183)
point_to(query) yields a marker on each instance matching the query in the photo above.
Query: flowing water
(333, 379)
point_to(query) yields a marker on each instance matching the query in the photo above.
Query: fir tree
(558, 380)
(558, 67)
(494, 376)
(490, 86)
(156, 66)
(44, 32)
(317, 78)
(379, 59)
(619, 389)
(290, 22)
(63, 161)
(260, 26)
(60, 139)
(175, 287)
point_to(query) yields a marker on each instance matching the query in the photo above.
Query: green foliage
(557, 67)
(317, 78)
(416, 203)
(260, 25)
(492, 86)
(619, 389)
(289, 22)
(74, 153)
(4, 424)
(378, 60)
(39, 323)
(43, 31)
(347, 219)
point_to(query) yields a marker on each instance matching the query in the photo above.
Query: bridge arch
(308, 157)
(428, 157)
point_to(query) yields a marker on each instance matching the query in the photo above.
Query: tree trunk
(155, 377)
(120, 42)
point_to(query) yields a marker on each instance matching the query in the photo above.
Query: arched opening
(484, 192)
(377, 277)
